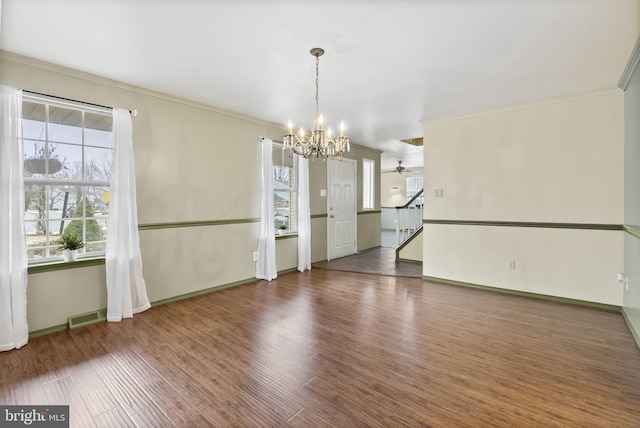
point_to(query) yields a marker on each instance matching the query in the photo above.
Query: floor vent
(89, 318)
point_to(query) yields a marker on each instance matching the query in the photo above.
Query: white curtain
(304, 216)
(126, 290)
(14, 331)
(266, 265)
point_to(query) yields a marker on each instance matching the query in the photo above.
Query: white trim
(63, 182)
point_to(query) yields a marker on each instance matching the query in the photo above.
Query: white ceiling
(388, 64)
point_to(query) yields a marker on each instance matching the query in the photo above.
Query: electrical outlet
(512, 265)
(255, 256)
(438, 193)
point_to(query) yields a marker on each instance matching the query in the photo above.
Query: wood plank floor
(330, 348)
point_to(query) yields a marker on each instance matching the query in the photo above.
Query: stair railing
(409, 217)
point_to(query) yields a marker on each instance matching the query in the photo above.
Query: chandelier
(316, 143)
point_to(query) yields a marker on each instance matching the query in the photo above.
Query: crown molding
(55, 68)
(632, 63)
(540, 103)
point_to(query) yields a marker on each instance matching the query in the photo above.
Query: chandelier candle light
(317, 143)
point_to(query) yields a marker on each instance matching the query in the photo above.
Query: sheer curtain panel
(266, 264)
(126, 290)
(14, 331)
(304, 216)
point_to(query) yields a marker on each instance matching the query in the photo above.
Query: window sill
(51, 266)
(287, 235)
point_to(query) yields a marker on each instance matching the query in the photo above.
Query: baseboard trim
(410, 261)
(634, 332)
(201, 292)
(596, 305)
(49, 330)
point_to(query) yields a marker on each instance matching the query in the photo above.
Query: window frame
(84, 185)
(407, 187)
(292, 190)
(368, 184)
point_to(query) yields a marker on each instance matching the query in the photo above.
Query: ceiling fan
(399, 169)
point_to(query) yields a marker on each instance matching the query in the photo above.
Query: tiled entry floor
(379, 261)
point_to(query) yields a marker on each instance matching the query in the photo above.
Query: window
(285, 189)
(414, 185)
(368, 184)
(67, 169)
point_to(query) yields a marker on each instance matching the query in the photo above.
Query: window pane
(40, 158)
(65, 125)
(97, 164)
(367, 184)
(282, 157)
(34, 123)
(281, 205)
(99, 198)
(98, 130)
(34, 130)
(36, 215)
(414, 185)
(283, 177)
(37, 243)
(83, 223)
(96, 242)
(69, 157)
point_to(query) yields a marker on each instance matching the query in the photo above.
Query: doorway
(341, 208)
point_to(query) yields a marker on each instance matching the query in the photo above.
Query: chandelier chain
(317, 84)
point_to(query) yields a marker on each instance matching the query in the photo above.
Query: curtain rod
(275, 141)
(134, 112)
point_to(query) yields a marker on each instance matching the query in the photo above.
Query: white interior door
(341, 208)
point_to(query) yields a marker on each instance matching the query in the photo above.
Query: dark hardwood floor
(331, 348)
(379, 261)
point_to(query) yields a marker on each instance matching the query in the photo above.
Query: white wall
(559, 162)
